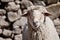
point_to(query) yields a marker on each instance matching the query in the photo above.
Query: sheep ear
(47, 14)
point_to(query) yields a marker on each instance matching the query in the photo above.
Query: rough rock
(19, 12)
(8, 39)
(3, 23)
(57, 22)
(13, 16)
(1, 31)
(17, 31)
(12, 6)
(39, 3)
(58, 30)
(2, 38)
(2, 17)
(2, 11)
(7, 33)
(26, 3)
(50, 1)
(17, 2)
(7, 0)
(18, 37)
(21, 22)
(58, 27)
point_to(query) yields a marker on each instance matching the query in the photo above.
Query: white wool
(48, 30)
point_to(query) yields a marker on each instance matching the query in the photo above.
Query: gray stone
(12, 6)
(21, 22)
(0, 27)
(13, 16)
(2, 11)
(7, 33)
(3, 23)
(1, 31)
(39, 3)
(8, 39)
(15, 27)
(26, 3)
(17, 2)
(18, 37)
(19, 13)
(7, 0)
(2, 17)
(12, 36)
(2, 38)
(57, 22)
(17, 31)
(50, 1)
(57, 27)
(58, 30)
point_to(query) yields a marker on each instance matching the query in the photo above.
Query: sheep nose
(36, 23)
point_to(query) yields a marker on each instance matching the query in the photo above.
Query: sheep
(40, 26)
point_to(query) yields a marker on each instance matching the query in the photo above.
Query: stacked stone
(11, 21)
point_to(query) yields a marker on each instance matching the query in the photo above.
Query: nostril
(35, 23)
